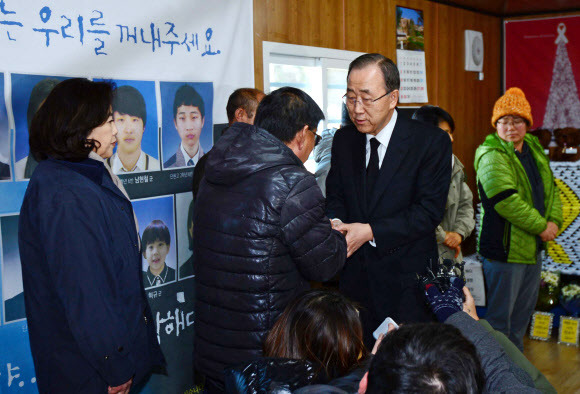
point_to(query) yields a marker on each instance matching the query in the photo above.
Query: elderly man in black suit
(386, 190)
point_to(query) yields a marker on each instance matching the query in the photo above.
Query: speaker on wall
(473, 50)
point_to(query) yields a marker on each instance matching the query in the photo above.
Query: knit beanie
(513, 102)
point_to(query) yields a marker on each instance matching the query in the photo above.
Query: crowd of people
(393, 203)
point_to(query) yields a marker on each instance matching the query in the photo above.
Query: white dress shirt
(384, 137)
(117, 165)
(187, 157)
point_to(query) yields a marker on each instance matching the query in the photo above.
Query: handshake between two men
(356, 234)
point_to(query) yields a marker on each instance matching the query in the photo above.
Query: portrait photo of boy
(11, 273)
(155, 246)
(28, 94)
(135, 115)
(190, 127)
(4, 136)
(184, 223)
(156, 218)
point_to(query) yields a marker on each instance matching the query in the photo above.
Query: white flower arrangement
(552, 279)
(571, 291)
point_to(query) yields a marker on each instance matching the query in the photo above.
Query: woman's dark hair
(320, 326)
(157, 230)
(61, 125)
(433, 115)
(426, 358)
(285, 111)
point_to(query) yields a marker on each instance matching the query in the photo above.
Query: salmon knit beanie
(513, 102)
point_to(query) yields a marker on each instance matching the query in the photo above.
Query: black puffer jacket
(260, 234)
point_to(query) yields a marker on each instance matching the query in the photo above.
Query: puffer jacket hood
(231, 153)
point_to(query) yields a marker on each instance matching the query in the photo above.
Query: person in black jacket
(260, 232)
(386, 189)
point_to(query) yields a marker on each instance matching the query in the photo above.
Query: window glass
(336, 87)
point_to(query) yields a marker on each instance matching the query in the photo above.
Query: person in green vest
(521, 210)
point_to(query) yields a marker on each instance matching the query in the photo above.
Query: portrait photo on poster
(135, 114)
(184, 223)
(28, 93)
(187, 122)
(5, 170)
(12, 288)
(157, 230)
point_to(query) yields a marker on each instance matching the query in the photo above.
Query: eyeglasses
(505, 121)
(365, 102)
(317, 138)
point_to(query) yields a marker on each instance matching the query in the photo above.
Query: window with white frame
(320, 72)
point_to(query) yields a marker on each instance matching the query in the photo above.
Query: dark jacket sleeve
(424, 214)
(317, 249)
(540, 381)
(501, 374)
(335, 201)
(198, 173)
(77, 250)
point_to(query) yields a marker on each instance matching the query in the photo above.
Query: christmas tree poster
(542, 57)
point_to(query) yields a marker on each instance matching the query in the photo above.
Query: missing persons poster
(154, 52)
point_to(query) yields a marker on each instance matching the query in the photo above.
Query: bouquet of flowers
(548, 295)
(570, 299)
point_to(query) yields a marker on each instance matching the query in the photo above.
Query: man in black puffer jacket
(260, 232)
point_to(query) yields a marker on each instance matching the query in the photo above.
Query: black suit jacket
(407, 204)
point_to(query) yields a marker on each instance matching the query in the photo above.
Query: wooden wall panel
(316, 23)
(467, 99)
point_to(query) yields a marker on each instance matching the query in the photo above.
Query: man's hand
(469, 304)
(122, 389)
(452, 239)
(550, 232)
(335, 223)
(457, 251)
(381, 337)
(356, 235)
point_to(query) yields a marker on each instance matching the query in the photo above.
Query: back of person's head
(157, 230)
(39, 93)
(286, 111)
(386, 65)
(322, 327)
(60, 127)
(187, 95)
(128, 100)
(426, 358)
(433, 115)
(345, 117)
(245, 98)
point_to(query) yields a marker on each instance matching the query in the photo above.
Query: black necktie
(373, 167)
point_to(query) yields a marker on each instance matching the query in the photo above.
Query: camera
(442, 274)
